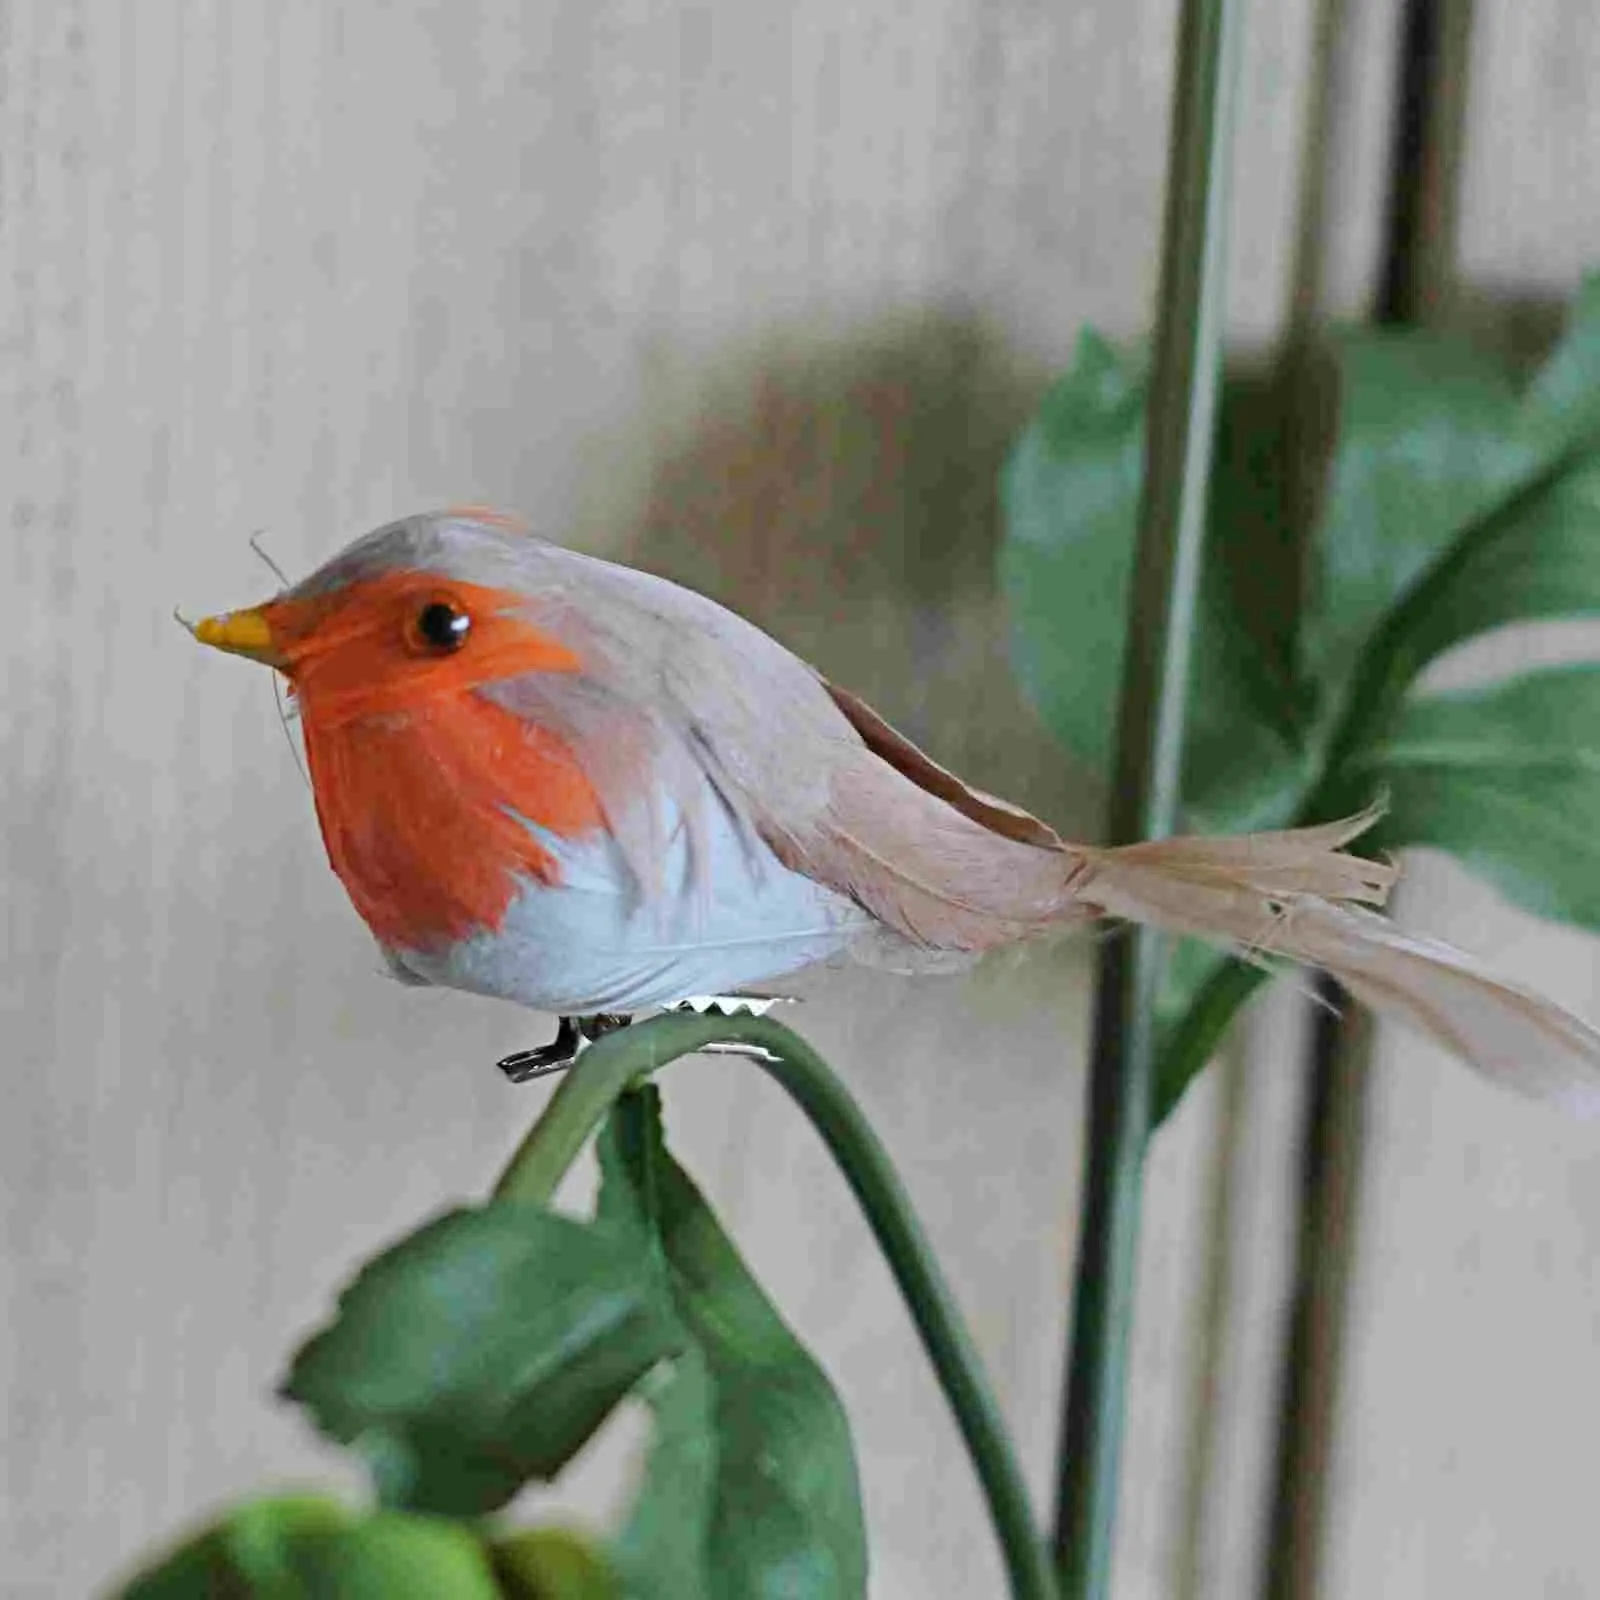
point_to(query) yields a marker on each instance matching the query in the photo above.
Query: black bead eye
(441, 627)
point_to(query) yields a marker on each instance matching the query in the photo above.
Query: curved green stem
(588, 1091)
(1194, 1038)
(605, 1071)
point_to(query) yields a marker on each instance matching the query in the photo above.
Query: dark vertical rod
(1414, 283)
(1332, 1140)
(1180, 426)
(1417, 224)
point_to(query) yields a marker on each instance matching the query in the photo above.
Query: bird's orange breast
(423, 786)
(422, 813)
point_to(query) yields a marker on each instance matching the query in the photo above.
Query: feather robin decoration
(571, 784)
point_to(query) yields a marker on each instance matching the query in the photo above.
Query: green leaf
(1454, 502)
(391, 1556)
(1426, 441)
(1564, 399)
(1246, 758)
(197, 1570)
(248, 1552)
(553, 1564)
(750, 1487)
(483, 1351)
(1451, 505)
(1508, 779)
(1071, 497)
(668, 1544)
(1071, 494)
(301, 1548)
(1188, 1039)
(1538, 558)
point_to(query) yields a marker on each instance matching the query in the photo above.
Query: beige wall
(754, 294)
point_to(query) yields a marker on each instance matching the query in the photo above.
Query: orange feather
(422, 788)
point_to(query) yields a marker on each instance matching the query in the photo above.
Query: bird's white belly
(592, 942)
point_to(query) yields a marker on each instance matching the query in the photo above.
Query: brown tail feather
(1297, 894)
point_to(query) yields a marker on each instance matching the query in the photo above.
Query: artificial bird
(565, 782)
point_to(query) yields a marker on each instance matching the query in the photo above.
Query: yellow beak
(241, 633)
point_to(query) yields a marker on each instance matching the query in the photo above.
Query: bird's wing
(682, 697)
(999, 816)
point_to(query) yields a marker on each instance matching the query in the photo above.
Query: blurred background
(755, 296)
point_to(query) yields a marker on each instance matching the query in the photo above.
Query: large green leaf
(1455, 501)
(392, 1556)
(302, 1548)
(1508, 779)
(1438, 520)
(750, 1489)
(483, 1351)
(1246, 757)
(1426, 441)
(1564, 399)
(245, 1553)
(668, 1546)
(1537, 558)
(1071, 496)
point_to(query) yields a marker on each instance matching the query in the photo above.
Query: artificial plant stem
(1197, 1033)
(1419, 246)
(1180, 427)
(604, 1073)
(589, 1090)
